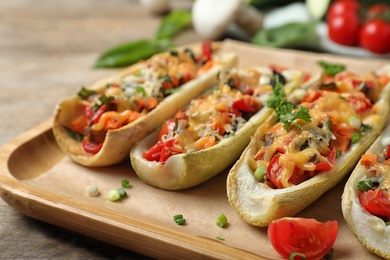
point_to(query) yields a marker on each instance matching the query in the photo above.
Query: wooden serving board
(37, 179)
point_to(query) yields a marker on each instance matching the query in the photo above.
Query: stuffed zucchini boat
(210, 133)
(305, 149)
(98, 125)
(366, 197)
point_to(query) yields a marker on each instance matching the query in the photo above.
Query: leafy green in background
(129, 53)
(174, 23)
(291, 35)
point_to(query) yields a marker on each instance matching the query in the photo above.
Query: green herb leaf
(331, 68)
(174, 23)
(288, 35)
(284, 108)
(131, 52)
(365, 185)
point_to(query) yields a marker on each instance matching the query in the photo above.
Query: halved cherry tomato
(92, 148)
(170, 148)
(388, 153)
(307, 236)
(273, 171)
(376, 202)
(99, 112)
(324, 166)
(311, 96)
(247, 104)
(154, 152)
(359, 102)
(167, 128)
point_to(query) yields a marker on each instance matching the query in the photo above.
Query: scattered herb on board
(179, 219)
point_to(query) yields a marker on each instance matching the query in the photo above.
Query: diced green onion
(179, 219)
(220, 238)
(329, 254)
(125, 184)
(122, 192)
(365, 185)
(113, 195)
(178, 216)
(294, 254)
(221, 220)
(85, 93)
(260, 172)
(355, 138)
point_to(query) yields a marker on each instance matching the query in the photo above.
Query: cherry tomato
(341, 7)
(376, 202)
(169, 148)
(273, 171)
(344, 28)
(388, 153)
(359, 102)
(376, 11)
(154, 152)
(92, 148)
(247, 104)
(307, 236)
(166, 128)
(375, 36)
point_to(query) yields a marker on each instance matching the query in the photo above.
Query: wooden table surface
(47, 49)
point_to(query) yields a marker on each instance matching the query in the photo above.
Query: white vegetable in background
(295, 12)
(156, 6)
(317, 8)
(212, 18)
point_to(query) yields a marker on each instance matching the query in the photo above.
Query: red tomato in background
(344, 28)
(375, 36)
(341, 7)
(307, 236)
(376, 202)
(376, 10)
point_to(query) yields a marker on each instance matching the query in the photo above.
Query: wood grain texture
(47, 51)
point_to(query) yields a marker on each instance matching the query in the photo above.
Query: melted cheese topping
(309, 145)
(223, 112)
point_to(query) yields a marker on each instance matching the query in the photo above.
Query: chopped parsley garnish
(284, 108)
(331, 68)
(86, 93)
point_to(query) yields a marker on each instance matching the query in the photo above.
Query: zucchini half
(117, 142)
(369, 230)
(258, 204)
(185, 170)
